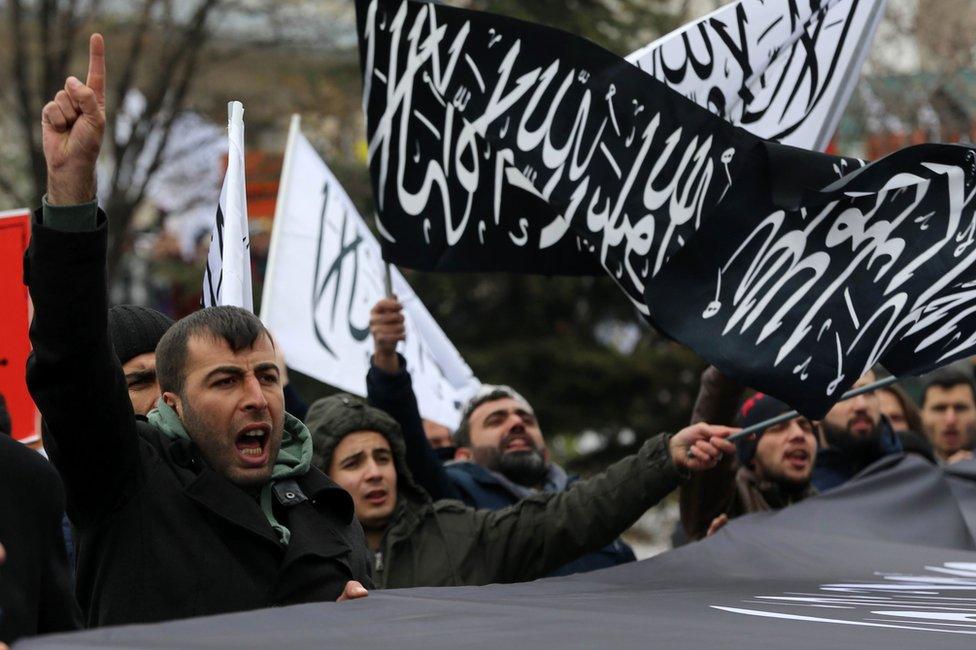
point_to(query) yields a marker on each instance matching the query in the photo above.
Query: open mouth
(252, 444)
(518, 443)
(798, 458)
(376, 497)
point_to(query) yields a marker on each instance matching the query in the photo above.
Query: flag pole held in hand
(759, 427)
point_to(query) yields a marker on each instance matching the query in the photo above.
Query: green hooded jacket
(447, 543)
(294, 455)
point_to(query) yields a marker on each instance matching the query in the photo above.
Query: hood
(331, 419)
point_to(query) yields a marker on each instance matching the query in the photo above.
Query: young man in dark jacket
(501, 456)
(768, 472)
(419, 542)
(211, 506)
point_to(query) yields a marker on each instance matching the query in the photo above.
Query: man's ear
(173, 401)
(463, 453)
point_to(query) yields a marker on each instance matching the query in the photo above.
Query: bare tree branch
(25, 107)
(164, 102)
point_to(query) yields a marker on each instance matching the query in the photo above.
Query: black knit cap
(136, 330)
(756, 409)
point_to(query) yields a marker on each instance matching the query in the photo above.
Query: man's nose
(254, 398)
(373, 471)
(859, 403)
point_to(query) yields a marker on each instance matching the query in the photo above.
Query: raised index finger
(96, 68)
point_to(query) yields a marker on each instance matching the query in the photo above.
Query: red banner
(14, 344)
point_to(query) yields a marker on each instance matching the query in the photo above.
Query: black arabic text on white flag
(227, 277)
(781, 70)
(497, 144)
(325, 272)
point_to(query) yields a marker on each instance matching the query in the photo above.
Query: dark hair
(238, 327)
(487, 393)
(5, 426)
(945, 379)
(912, 417)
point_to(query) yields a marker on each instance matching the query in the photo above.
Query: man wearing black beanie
(134, 332)
(771, 471)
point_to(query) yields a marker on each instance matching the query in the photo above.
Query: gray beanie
(135, 330)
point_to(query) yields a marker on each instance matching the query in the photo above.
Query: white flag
(782, 70)
(227, 279)
(325, 272)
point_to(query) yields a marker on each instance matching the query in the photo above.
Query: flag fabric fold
(782, 70)
(497, 144)
(843, 570)
(325, 272)
(227, 278)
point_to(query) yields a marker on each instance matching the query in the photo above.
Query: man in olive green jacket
(418, 542)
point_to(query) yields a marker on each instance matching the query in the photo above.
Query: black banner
(849, 569)
(500, 145)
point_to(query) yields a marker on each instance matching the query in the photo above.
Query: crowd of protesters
(194, 483)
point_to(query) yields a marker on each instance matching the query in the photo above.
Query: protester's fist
(387, 326)
(701, 446)
(352, 591)
(717, 524)
(72, 125)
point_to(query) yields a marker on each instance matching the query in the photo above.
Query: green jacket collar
(294, 455)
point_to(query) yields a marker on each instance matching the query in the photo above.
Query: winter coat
(731, 490)
(727, 488)
(468, 482)
(160, 535)
(447, 543)
(834, 467)
(35, 582)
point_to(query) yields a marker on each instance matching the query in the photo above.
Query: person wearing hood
(420, 542)
(770, 471)
(211, 505)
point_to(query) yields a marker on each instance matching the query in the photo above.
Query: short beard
(854, 447)
(526, 468)
(788, 485)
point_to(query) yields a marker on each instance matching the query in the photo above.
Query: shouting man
(501, 456)
(211, 506)
(769, 471)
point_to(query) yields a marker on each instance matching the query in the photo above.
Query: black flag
(497, 144)
(849, 569)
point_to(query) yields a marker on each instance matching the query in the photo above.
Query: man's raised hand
(387, 325)
(72, 125)
(701, 446)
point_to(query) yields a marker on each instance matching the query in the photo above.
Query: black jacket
(159, 534)
(35, 584)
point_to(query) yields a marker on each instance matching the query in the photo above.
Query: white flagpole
(280, 202)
